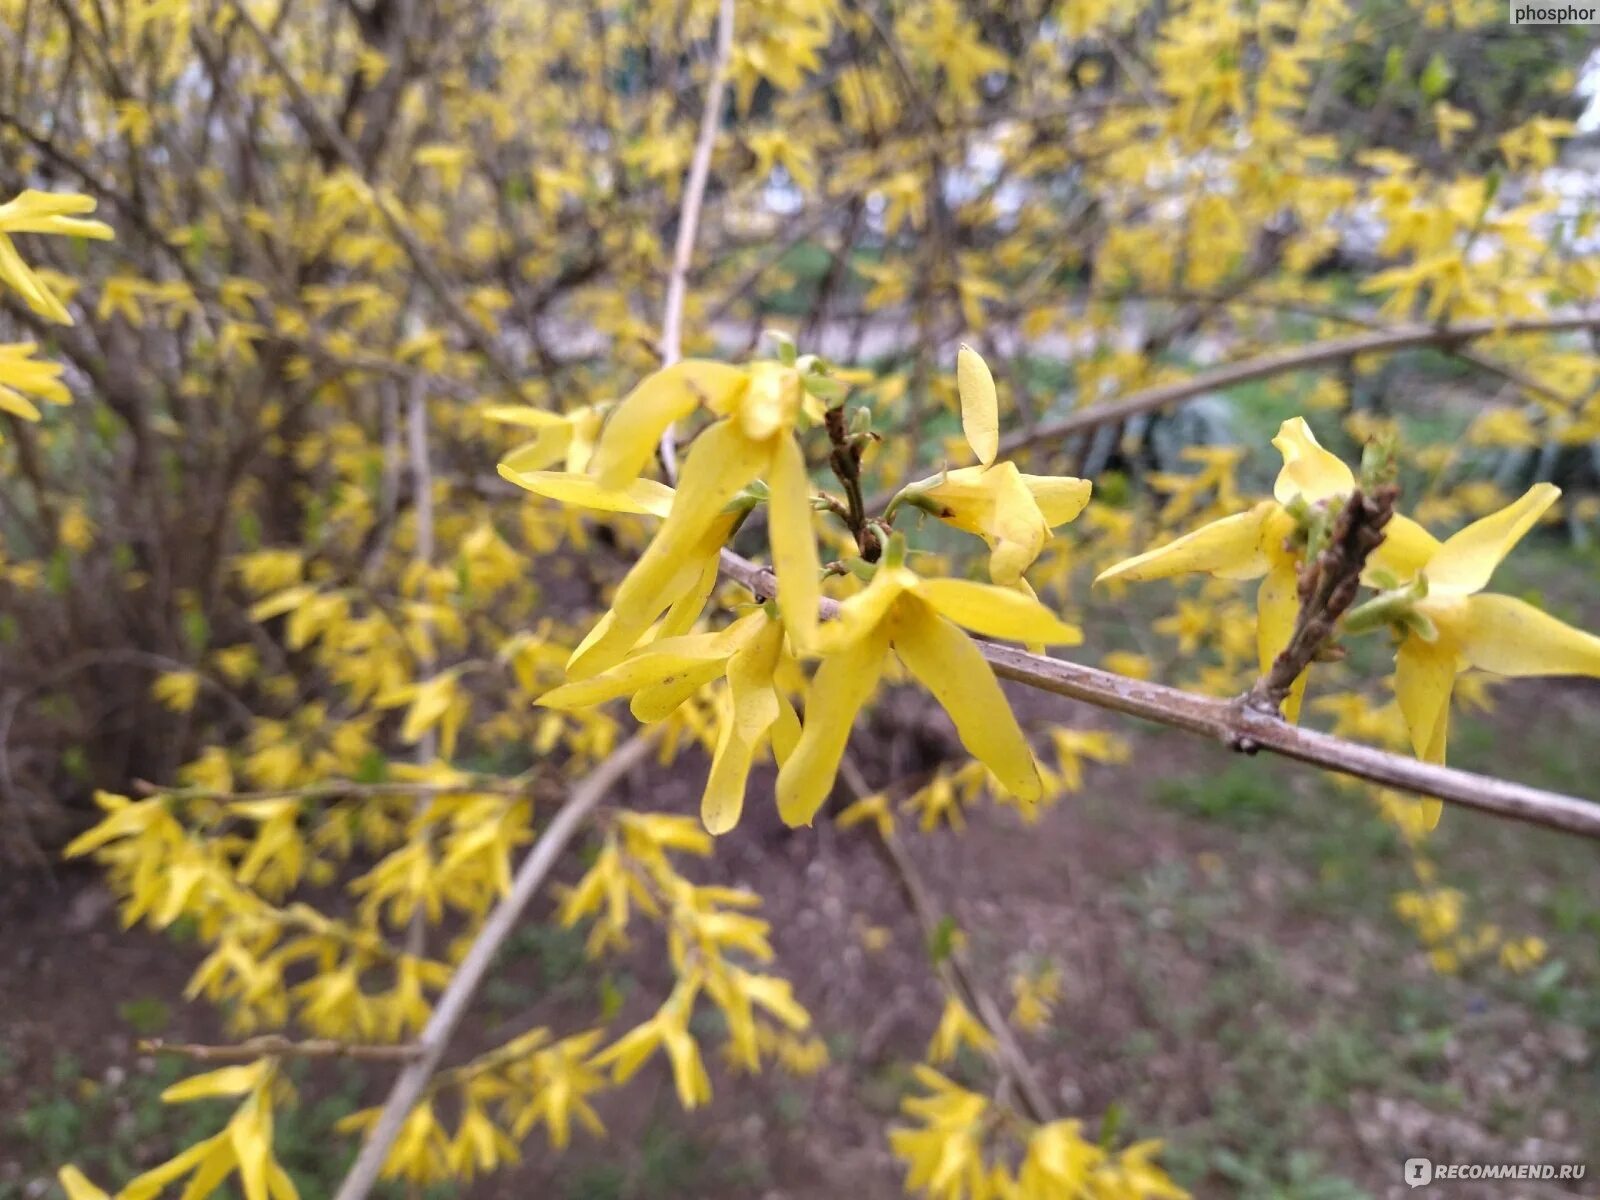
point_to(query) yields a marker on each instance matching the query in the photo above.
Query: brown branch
(453, 1004)
(1296, 358)
(1328, 587)
(954, 969)
(432, 277)
(1241, 728)
(694, 194)
(277, 1046)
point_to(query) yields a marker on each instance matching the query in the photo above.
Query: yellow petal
(794, 543)
(1277, 606)
(1309, 471)
(1405, 550)
(1059, 497)
(786, 729)
(634, 430)
(997, 612)
(719, 464)
(771, 402)
(980, 406)
(227, 1081)
(1511, 637)
(1466, 560)
(723, 800)
(549, 448)
(686, 609)
(17, 404)
(949, 665)
(657, 701)
(1231, 548)
(77, 1187)
(843, 683)
(660, 662)
(753, 707)
(643, 496)
(1424, 677)
(1017, 530)
(525, 416)
(861, 614)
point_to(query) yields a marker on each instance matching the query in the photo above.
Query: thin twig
(277, 1046)
(1297, 358)
(341, 789)
(694, 194)
(433, 278)
(412, 1082)
(954, 969)
(1328, 585)
(1240, 728)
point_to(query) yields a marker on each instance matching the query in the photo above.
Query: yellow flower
(1469, 629)
(566, 438)
(681, 588)
(1262, 542)
(917, 618)
(78, 1187)
(21, 373)
(661, 675)
(42, 212)
(1012, 512)
(757, 407)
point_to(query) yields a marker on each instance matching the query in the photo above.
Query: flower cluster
(750, 454)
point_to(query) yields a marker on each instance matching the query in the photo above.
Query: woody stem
(1328, 586)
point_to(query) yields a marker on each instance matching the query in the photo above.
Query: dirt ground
(1236, 981)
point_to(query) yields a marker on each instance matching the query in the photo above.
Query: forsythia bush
(361, 254)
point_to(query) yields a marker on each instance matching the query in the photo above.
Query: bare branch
(412, 1082)
(1241, 728)
(1296, 358)
(277, 1046)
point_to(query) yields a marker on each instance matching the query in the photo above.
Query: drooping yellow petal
(1016, 532)
(1309, 471)
(997, 612)
(1231, 548)
(752, 710)
(1277, 606)
(1060, 497)
(949, 665)
(686, 609)
(719, 464)
(1405, 550)
(78, 1187)
(786, 729)
(17, 404)
(1424, 677)
(980, 405)
(1468, 558)
(657, 701)
(722, 802)
(1511, 637)
(794, 543)
(661, 399)
(843, 683)
(643, 496)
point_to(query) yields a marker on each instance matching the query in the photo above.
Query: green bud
(783, 344)
(830, 391)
